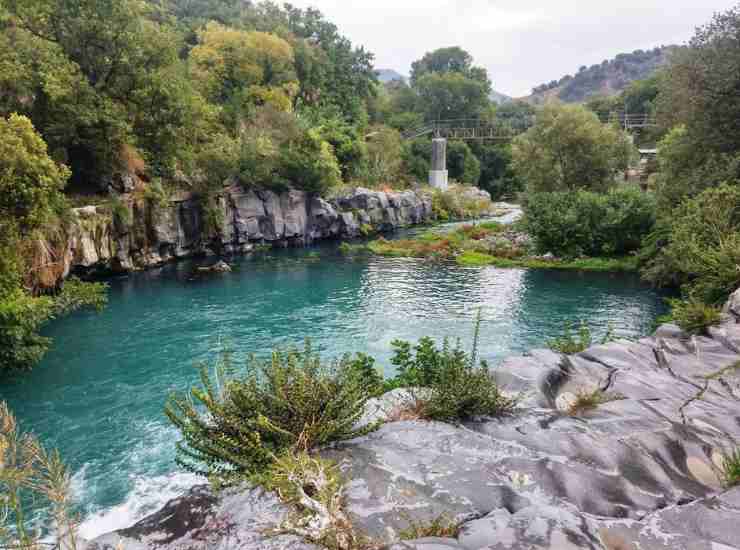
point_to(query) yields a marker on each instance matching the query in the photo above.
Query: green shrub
(235, 425)
(349, 249)
(570, 343)
(572, 224)
(457, 387)
(156, 195)
(122, 213)
(454, 204)
(694, 316)
(731, 469)
(23, 315)
(309, 164)
(697, 246)
(362, 366)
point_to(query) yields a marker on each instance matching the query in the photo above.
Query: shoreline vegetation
(487, 244)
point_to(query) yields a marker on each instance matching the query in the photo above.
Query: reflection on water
(98, 395)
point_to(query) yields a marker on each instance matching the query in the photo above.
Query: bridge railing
(471, 129)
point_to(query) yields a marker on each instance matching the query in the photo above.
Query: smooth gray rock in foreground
(641, 472)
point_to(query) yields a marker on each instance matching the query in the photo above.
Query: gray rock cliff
(153, 234)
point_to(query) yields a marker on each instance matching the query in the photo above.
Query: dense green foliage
(696, 241)
(156, 87)
(31, 199)
(698, 247)
(239, 422)
(577, 223)
(569, 148)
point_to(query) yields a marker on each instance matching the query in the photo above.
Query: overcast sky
(522, 43)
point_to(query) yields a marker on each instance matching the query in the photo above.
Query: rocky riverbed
(642, 471)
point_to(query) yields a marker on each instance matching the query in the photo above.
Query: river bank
(99, 393)
(641, 469)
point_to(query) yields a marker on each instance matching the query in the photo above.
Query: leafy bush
(236, 425)
(458, 388)
(572, 224)
(22, 316)
(384, 161)
(694, 316)
(497, 176)
(278, 152)
(698, 246)
(455, 203)
(156, 195)
(569, 343)
(310, 164)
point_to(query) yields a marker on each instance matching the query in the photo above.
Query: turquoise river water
(98, 395)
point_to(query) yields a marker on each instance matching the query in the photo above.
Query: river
(99, 393)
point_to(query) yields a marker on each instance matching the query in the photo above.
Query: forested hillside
(606, 78)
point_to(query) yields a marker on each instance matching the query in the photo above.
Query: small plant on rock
(569, 343)
(316, 488)
(450, 383)
(587, 400)
(694, 316)
(441, 526)
(731, 469)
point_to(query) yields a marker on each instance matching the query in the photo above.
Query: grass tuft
(731, 469)
(586, 400)
(441, 527)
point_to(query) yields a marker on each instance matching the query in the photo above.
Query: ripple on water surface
(98, 396)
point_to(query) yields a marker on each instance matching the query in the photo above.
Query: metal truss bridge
(479, 129)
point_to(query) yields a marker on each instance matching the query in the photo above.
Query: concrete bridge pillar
(438, 176)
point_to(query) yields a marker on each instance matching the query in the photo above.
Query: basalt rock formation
(639, 472)
(141, 233)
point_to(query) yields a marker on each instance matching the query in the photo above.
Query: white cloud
(522, 43)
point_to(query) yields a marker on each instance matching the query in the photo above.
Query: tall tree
(449, 60)
(569, 148)
(702, 86)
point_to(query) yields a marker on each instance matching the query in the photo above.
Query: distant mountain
(499, 98)
(389, 75)
(608, 78)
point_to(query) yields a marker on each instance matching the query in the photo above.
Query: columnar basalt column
(438, 174)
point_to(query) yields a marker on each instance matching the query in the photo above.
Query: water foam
(148, 495)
